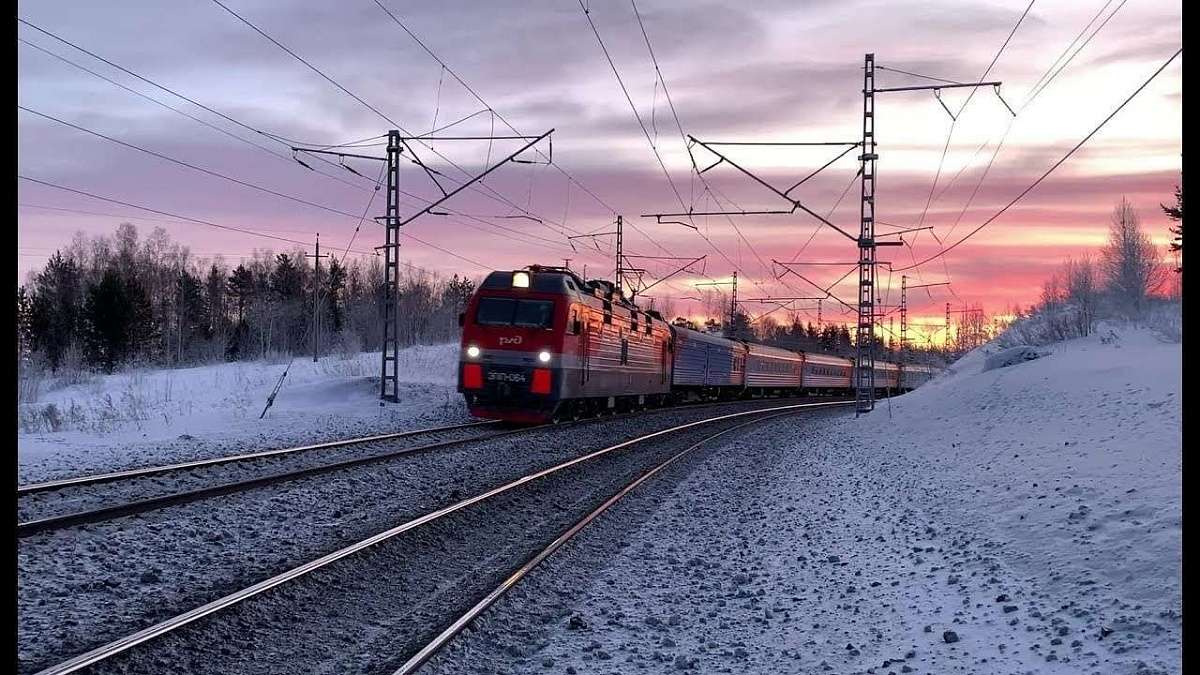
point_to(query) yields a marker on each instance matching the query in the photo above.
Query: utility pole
(392, 222)
(903, 315)
(316, 320)
(865, 382)
(819, 303)
(389, 382)
(619, 272)
(732, 301)
(947, 342)
(179, 318)
(864, 370)
(618, 264)
(733, 305)
(866, 241)
(622, 265)
(904, 310)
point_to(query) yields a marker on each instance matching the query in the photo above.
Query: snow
(1025, 518)
(156, 415)
(1011, 357)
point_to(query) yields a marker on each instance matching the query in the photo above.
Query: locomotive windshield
(510, 312)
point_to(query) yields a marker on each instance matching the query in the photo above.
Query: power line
(679, 125)
(489, 108)
(1033, 95)
(366, 210)
(95, 213)
(193, 167)
(1050, 79)
(695, 169)
(223, 176)
(446, 68)
(253, 233)
(394, 123)
(587, 15)
(829, 215)
(135, 92)
(926, 77)
(1053, 167)
(370, 107)
(301, 59)
(1036, 90)
(274, 137)
(953, 124)
(447, 252)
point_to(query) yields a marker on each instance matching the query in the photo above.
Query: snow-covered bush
(1011, 357)
(31, 378)
(1166, 319)
(348, 345)
(1044, 326)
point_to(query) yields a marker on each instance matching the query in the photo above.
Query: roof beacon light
(520, 280)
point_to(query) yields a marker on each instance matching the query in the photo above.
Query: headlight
(473, 352)
(544, 356)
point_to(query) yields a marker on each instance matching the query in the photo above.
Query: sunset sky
(747, 71)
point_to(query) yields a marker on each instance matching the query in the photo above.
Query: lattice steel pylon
(864, 371)
(903, 316)
(389, 380)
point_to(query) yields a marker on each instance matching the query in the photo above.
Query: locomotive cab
(541, 344)
(511, 362)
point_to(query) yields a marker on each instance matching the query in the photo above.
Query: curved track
(60, 521)
(47, 514)
(95, 479)
(450, 632)
(538, 495)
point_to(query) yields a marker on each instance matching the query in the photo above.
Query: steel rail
(149, 633)
(31, 488)
(443, 638)
(105, 513)
(98, 515)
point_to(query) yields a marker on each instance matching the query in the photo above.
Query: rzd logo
(515, 340)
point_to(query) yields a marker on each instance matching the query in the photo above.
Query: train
(541, 344)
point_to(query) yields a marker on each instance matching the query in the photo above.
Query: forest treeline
(104, 302)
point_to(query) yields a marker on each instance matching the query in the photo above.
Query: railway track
(197, 480)
(96, 479)
(468, 540)
(219, 487)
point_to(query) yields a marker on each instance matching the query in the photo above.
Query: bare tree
(1083, 292)
(1053, 291)
(664, 306)
(1132, 265)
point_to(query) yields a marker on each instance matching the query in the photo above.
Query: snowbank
(221, 403)
(1072, 465)
(1015, 520)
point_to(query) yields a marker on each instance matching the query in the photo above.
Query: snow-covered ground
(1010, 520)
(145, 416)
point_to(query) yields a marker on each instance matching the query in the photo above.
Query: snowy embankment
(148, 416)
(1018, 519)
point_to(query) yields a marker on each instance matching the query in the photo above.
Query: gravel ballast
(368, 612)
(82, 587)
